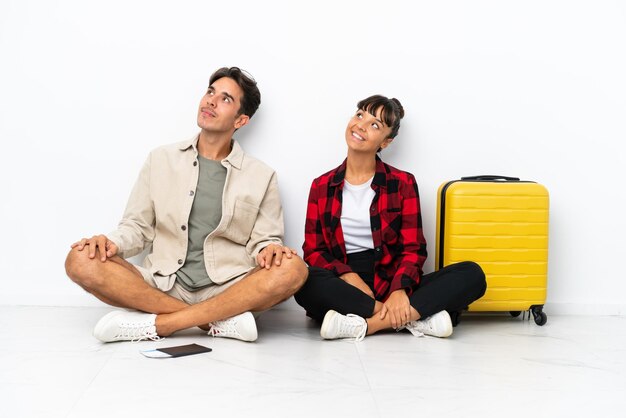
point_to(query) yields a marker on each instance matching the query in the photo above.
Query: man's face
(219, 107)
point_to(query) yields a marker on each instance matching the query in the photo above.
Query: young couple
(213, 219)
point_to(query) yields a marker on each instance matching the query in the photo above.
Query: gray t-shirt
(205, 215)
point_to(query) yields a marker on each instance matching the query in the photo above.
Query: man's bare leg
(118, 283)
(259, 291)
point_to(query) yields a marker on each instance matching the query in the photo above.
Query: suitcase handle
(490, 178)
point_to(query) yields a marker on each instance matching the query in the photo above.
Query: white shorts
(191, 297)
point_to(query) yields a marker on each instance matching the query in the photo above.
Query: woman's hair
(251, 95)
(391, 113)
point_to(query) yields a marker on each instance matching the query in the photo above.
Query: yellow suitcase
(501, 223)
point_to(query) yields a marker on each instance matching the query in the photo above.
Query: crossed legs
(451, 289)
(118, 283)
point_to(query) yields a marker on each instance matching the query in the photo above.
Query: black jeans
(452, 288)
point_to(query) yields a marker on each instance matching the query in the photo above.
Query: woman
(365, 247)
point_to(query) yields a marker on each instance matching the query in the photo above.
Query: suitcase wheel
(515, 314)
(540, 317)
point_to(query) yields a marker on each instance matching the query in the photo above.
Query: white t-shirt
(355, 216)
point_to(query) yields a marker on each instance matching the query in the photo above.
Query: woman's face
(367, 132)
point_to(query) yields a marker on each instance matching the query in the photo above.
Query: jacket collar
(190, 143)
(380, 176)
(234, 158)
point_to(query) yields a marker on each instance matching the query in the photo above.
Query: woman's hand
(398, 307)
(355, 280)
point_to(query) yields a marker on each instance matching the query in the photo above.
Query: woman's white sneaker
(241, 327)
(437, 325)
(126, 326)
(336, 325)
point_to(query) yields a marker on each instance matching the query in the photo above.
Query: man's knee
(287, 278)
(73, 263)
(296, 273)
(81, 269)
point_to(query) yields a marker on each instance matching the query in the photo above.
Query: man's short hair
(251, 95)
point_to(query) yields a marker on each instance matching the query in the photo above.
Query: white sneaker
(126, 326)
(241, 327)
(336, 325)
(437, 325)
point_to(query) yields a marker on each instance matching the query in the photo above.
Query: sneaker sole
(102, 324)
(254, 335)
(325, 323)
(448, 326)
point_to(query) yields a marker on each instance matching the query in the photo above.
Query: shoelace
(226, 328)
(413, 328)
(355, 324)
(138, 332)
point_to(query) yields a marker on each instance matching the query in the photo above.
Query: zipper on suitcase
(442, 215)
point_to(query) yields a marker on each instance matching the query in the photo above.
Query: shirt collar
(234, 158)
(380, 176)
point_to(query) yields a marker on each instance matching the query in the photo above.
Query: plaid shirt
(399, 244)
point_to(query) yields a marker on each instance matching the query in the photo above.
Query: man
(213, 218)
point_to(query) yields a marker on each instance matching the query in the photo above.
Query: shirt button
(180, 261)
(183, 227)
(377, 249)
(372, 210)
(190, 192)
(195, 163)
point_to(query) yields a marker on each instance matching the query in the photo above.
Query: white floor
(492, 366)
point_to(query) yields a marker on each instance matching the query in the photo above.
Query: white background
(534, 89)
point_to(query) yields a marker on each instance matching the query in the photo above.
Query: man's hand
(355, 280)
(107, 248)
(398, 307)
(273, 253)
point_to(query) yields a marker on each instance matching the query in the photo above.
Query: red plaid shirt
(399, 244)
